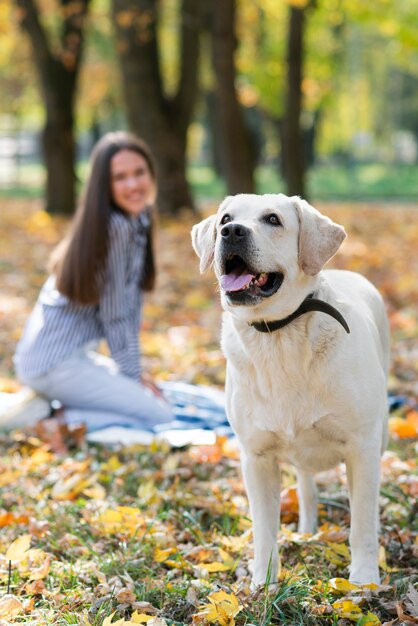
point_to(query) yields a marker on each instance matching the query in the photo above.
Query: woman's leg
(92, 390)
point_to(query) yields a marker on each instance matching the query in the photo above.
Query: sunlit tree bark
(161, 120)
(235, 149)
(58, 72)
(293, 153)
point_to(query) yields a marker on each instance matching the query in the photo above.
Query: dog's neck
(309, 304)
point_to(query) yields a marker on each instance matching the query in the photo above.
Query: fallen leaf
(289, 504)
(164, 556)
(10, 606)
(215, 566)
(18, 548)
(331, 533)
(382, 561)
(125, 596)
(403, 616)
(221, 609)
(347, 609)
(370, 619)
(411, 601)
(337, 553)
(237, 544)
(139, 618)
(108, 621)
(404, 428)
(7, 519)
(122, 519)
(342, 585)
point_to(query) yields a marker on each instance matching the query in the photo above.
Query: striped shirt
(58, 327)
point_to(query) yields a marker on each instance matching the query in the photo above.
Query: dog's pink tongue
(235, 282)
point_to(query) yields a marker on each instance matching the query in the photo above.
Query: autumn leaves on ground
(162, 536)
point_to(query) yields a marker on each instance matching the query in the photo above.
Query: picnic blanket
(199, 416)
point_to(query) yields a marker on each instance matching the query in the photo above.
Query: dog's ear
(203, 241)
(319, 237)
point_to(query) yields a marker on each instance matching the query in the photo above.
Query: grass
(105, 559)
(372, 181)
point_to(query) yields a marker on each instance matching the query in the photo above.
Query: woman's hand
(146, 380)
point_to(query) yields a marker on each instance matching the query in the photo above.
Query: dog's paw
(271, 588)
(365, 576)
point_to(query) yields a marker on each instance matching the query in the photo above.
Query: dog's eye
(273, 219)
(225, 218)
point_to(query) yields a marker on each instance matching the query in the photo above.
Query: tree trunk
(293, 162)
(59, 155)
(237, 152)
(58, 73)
(162, 121)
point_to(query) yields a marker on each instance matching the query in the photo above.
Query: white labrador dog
(307, 355)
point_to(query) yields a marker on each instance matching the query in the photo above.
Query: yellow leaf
(221, 609)
(95, 492)
(162, 555)
(330, 533)
(215, 566)
(122, 519)
(342, 585)
(17, 549)
(70, 488)
(382, 561)
(147, 492)
(237, 544)
(370, 619)
(347, 609)
(40, 456)
(108, 621)
(112, 464)
(226, 557)
(337, 553)
(139, 618)
(7, 478)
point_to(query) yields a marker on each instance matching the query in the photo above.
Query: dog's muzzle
(242, 283)
(234, 234)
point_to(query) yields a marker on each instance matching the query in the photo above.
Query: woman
(99, 273)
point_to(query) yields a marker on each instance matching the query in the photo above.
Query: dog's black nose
(234, 233)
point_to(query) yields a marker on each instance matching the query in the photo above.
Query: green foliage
(358, 57)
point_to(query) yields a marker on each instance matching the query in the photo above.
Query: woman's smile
(132, 185)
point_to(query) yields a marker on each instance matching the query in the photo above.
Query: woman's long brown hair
(79, 260)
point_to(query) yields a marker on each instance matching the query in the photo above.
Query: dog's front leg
(363, 474)
(262, 480)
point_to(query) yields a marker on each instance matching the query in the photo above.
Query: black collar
(309, 304)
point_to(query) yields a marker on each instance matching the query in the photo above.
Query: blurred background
(317, 98)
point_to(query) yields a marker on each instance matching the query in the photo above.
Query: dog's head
(267, 251)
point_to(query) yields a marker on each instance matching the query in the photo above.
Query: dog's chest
(277, 388)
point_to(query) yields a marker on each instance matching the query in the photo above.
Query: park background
(316, 98)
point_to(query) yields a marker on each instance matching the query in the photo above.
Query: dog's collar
(309, 304)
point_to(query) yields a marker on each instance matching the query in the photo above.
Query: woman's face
(132, 185)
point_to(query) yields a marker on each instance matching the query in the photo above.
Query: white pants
(93, 391)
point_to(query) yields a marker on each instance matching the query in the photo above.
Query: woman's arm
(117, 314)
